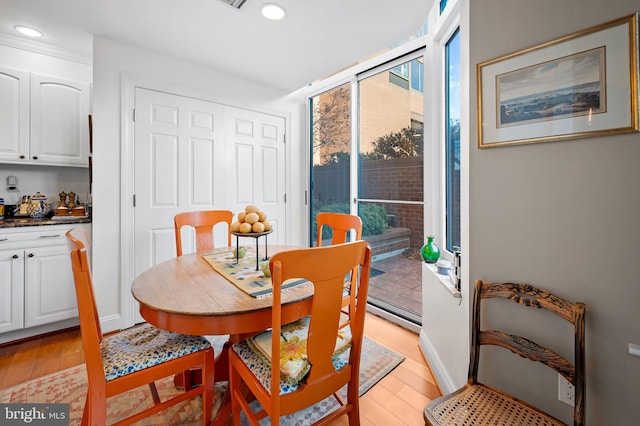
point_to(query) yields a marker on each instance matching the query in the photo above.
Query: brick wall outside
(395, 179)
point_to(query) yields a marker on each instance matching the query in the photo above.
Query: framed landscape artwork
(583, 84)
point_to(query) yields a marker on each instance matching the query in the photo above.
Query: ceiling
(316, 38)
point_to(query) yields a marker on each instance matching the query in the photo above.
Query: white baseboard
(111, 323)
(441, 376)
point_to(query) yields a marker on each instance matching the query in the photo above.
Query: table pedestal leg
(192, 378)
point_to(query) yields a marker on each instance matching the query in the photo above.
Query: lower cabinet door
(11, 290)
(49, 290)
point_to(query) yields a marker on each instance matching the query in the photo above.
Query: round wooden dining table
(186, 295)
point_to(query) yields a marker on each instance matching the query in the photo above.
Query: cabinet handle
(22, 157)
(30, 255)
(49, 236)
(15, 256)
(3, 239)
(35, 157)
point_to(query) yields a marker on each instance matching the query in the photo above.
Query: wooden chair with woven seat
(478, 404)
(203, 222)
(134, 357)
(341, 224)
(315, 358)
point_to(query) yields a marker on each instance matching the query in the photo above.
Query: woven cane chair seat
(479, 405)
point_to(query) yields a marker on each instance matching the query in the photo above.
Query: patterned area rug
(70, 386)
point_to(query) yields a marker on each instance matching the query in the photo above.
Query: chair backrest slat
(328, 281)
(340, 224)
(203, 222)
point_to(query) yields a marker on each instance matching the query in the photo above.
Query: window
(452, 140)
(330, 153)
(417, 76)
(443, 5)
(408, 75)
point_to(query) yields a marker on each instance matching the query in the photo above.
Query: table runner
(243, 274)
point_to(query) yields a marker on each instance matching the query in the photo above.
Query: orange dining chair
(341, 224)
(478, 404)
(134, 357)
(203, 222)
(314, 356)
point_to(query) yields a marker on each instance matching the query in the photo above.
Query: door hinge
(284, 138)
(134, 200)
(134, 115)
(285, 198)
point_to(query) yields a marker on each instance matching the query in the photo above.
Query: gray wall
(560, 215)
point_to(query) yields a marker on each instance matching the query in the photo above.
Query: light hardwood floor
(398, 399)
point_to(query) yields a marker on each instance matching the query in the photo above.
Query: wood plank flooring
(398, 399)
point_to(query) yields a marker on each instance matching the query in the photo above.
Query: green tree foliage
(404, 143)
(374, 217)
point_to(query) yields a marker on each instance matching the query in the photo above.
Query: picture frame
(580, 85)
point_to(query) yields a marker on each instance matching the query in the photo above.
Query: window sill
(443, 279)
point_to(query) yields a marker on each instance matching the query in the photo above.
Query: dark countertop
(17, 222)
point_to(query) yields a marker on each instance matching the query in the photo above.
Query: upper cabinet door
(14, 115)
(59, 121)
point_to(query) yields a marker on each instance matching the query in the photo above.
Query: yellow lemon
(235, 226)
(245, 227)
(262, 215)
(251, 218)
(258, 227)
(251, 209)
(267, 226)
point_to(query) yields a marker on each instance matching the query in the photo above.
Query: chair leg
(353, 399)
(208, 381)
(234, 388)
(154, 393)
(85, 412)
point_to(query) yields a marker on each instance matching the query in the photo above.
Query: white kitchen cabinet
(14, 115)
(36, 281)
(11, 290)
(43, 119)
(59, 121)
(49, 291)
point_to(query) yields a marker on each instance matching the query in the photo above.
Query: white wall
(559, 215)
(113, 62)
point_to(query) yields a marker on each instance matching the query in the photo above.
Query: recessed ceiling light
(30, 32)
(272, 11)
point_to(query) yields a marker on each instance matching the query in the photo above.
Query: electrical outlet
(566, 391)
(12, 183)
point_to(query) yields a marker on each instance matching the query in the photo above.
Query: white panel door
(256, 154)
(179, 166)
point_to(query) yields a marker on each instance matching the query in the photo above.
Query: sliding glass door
(379, 176)
(330, 154)
(390, 181)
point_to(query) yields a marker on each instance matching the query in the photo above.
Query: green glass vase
(430, 251)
